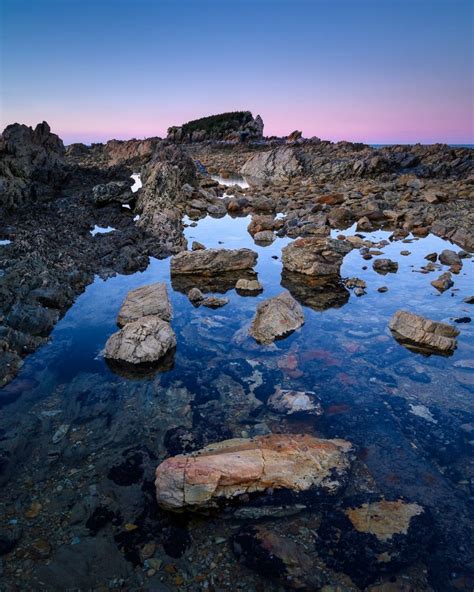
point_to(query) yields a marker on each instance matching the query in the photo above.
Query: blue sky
(369, 70)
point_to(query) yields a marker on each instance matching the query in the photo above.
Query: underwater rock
(230, 468)
(274, 556)
(374, 538)
(292, 402)
(315, 256)
(212, 261)
(140, 342)
(276, 318)
(423, 335)
(151, 300)
(317, 293)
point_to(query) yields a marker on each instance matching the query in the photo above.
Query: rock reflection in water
(220, 284)
(317, 293)
(141, 371)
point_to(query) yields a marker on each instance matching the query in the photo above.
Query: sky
(377, 71)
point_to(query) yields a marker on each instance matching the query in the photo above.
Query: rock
(432, 257)
(151, 300)
(276, 318)
(248, 285)
(294, 137)
(195, 295)
(294, 402)
(423, 335)
(278, 164)
(315, 256)
(469, 300)
(115, 191)
(32, 167)
(212, 261)
(265, 236)
(260, 223)
(374, 538)
(140, 342)
(276, 557)
(214, 302)
(448, 257)
(443, 283)
(227, 469)
(384, 266)
(197, 246)
(235, 126)
(319, 293)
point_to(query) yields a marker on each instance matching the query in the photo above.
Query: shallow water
(101, 230)
(375, 392)
(232, 179)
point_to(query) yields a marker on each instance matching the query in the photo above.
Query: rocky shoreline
(247, 447)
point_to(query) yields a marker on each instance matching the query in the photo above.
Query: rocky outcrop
(423, 335)
(32, 167)
(276, 318)
(152, 300)
(279, 164)
(228, 469)
(144, 341)
(237, 126)
(210, 262)
(315, 256)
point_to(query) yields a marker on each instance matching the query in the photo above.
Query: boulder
(227, 469)
(384, 266)
(141, 342)
(291, 402)
(276, 318)
(448, 257)
(244, 285)
(279, 164)
(443, 283)
(315, 256)
(212, 261)
(264, 236)
(423, 335)
(146, 301)
(294, 136)
(115, 191)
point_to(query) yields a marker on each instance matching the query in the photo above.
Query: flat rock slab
(146, 301)
(276, 318)
(141, 342)
(424, 335)
(230, 468)
(316, 256)
(212, 261)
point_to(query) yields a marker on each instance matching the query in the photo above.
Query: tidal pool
(76, 436)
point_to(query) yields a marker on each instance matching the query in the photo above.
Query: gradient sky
(378, 71)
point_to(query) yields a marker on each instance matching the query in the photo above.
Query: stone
(315, 256)
(279, 164)
(443, 283)
(423, 335)
(140, 342)
(212, 261)
(264, 236)
(214, 302)
(195, 295)
(151, 300)
(115, 191)
(448, 257)
(384, 266)
(248, 285)
(276, 318)
(294, 136)
(291, 402)
(227, 469)
(197, 246)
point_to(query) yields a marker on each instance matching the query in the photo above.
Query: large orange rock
(230, 468)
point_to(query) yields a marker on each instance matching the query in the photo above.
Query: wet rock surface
(315, 256)
(276, 318)
(424, 335)
(146, 301)
(228, 469)
(212, 261)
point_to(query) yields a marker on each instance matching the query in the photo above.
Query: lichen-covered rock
(423, 335)
(212, 261)
(230, 468)
(315, 256)
(141, 342)
(290, 402)
(276, 318)
(146, 301)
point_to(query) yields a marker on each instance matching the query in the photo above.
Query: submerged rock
(319, 293)
(212, 261)
(315, 256)
(230, 468)
(276, 557)
(292, 402)
(276, 318)
(146, 301)
(374, 538)
(423, 335)
(141, 342)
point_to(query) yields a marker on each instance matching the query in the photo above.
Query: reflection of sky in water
(101, 230)
(231, 180)
(4, 242)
